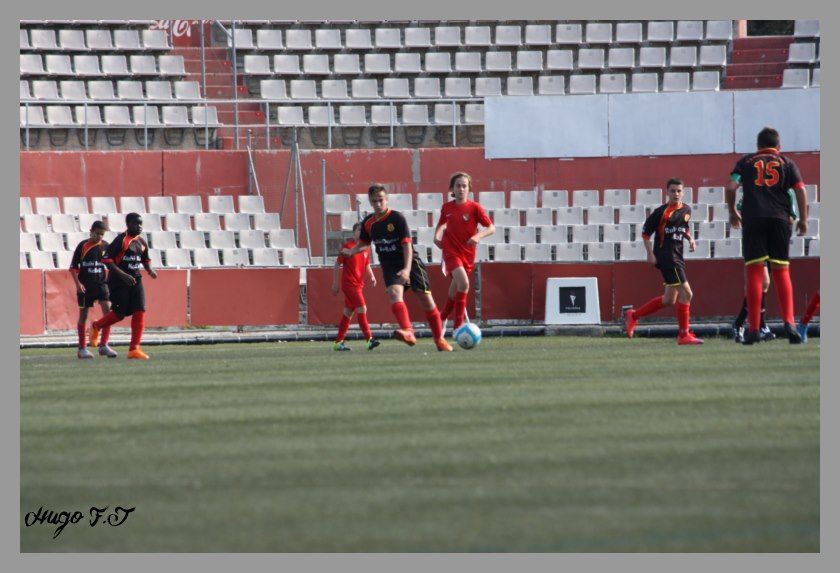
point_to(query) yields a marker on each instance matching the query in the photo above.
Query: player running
(668, 226)
(457, 236)
(88, 274)
(766, 176)
(401, 266)
(352, 281)
(125, 256)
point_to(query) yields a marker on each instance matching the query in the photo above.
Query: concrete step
(194, 53)
(245, 117)
(210, 66)
(762, 42)
(224, 92)
(752, 82)
(766, 69)
(257, 141)
(760, 56)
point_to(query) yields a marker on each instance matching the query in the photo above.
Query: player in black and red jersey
(766, 177)
(88, 274)
(401, 266)
(125, 256)
(353, 271)
(457, 235)
(668, 225)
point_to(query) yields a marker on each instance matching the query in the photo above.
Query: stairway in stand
(218, 72)
(757, 62)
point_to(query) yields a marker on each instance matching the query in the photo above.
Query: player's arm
(147, 262)
(358, 248)
(486, 232)
(802, 205)
(648, 229)
(651, 258)
(729, 196)
(439, 235)
(74, 270)
(371, 276)
(408, 253)
(124, 276)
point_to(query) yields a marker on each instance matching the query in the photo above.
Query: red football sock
(755, 290)
(105, 336)
(649, 307)
(447, 308)
(433, 316)
(460, 308)
(365, 325)
(813, 306)
(401, 313)
(683, 312)
(107, 320)
(80, 328)
(138, 322)
(342, 328)
(784, 290)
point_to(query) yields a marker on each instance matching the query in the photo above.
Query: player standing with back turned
(766, 176)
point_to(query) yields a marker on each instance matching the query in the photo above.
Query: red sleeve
(405, 240)
(442, 218)
(481, 216)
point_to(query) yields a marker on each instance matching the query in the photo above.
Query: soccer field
(543, 444)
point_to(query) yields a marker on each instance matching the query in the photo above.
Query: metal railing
(265, 105)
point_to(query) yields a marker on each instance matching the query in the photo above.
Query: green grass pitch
(544, 444)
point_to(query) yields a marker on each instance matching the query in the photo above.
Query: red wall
(31, 302)
(222, 297)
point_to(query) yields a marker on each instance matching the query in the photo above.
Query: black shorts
(673, 276)
(126, 299)
(765, 239)
(93, 292)
(418, 277)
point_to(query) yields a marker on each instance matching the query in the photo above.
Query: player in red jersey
(125, 256)
(668, 226)
(352, 281)
(457, 235)
(766, 176)
(401, 266)
(813, 307)
(88, 274)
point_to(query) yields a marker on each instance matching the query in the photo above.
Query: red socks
(138, 322)
(107, 320)
(433, 316)
(105, 336)
(342, 328)
(460, 308)
(755, 290)
(649, 307)
(683, 312)
(813, 305)
(784, 289)
(80, 328)
(447, 308)
(364, 325)
(401, 313)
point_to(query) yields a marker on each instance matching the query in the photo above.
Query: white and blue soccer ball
(468, 336)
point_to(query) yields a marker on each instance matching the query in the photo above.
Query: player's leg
(632, 316)
(82, 352)
(119, 303)
(364, 325)
(462, 286)
(754, 249)
(450, 301)
(104, 348)
(421, 286)
(137, 306)
(778, 246)
(813, 307)
(343, 326)
(683, 307)
(405, 332)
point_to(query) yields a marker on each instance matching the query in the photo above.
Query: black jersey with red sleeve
(766, 177)
(87, 262)
(128, 253)
(388, 233)
(667, 225)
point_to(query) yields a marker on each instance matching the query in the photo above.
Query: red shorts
(353, 297)
(455, 260)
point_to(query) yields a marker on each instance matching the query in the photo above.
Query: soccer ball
(468, 336)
